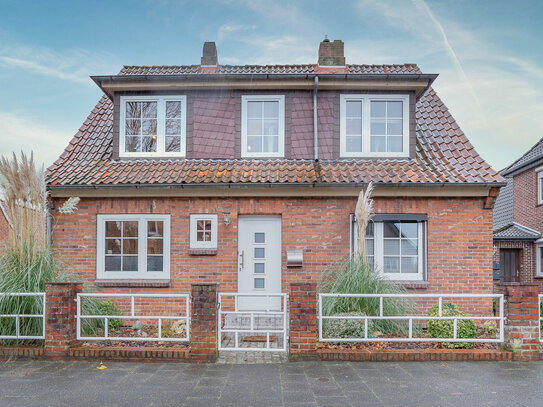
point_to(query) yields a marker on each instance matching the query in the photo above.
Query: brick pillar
(203, 331)
(303, 320)
(522, 319)
(60, 321)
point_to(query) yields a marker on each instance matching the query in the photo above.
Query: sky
(488, 54)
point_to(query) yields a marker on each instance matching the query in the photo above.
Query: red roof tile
(444, 155)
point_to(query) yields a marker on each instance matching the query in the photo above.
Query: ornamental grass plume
(364, 208)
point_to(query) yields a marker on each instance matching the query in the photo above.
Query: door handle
(242, 263)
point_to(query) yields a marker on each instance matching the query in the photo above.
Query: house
(248, 176)
(518, 220)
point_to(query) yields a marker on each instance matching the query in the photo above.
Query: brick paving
(302, 384)
(251, 357)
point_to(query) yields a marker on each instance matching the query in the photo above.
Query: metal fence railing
(19, 320)
(149, 314)
(409, 333)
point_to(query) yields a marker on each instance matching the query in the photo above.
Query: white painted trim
(161, 125)
(281, 125)
(194, 244)
(539, 188)
(366, 123)
(538, 169)
(142, 273)
(538, 259)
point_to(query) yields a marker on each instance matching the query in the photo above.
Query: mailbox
(295, 258)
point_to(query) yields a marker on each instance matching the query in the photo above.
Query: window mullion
(161, 125)
(366, 125)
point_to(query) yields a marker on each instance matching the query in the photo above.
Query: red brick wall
(303, 320)
(459, 237)
(4, 230)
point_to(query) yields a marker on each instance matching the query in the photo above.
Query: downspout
(315, 125)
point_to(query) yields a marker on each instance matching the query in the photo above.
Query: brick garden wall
(459, 238)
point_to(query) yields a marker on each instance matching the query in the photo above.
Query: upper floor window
(374, 125)
(262, 126)
(152, 126)
(539, 185)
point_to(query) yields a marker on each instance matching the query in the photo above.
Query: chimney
(331, 53)
(209, 55)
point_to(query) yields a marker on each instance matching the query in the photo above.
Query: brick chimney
(331, 53)
(209, 55)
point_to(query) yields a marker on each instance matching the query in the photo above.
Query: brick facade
(303, 320)
(459, 238)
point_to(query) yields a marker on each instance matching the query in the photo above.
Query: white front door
(259, 261)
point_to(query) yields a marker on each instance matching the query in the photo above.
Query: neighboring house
(518, 220)
(233, 174)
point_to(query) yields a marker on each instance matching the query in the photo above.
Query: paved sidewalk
(251, 357)
(288, 384)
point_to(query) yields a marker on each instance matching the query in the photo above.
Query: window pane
(173, 144)
(378, 127)
(392, 265)
(148, 109)
(377, 144)
(112, 263)
(207, 236)
(259, 252)
(130, 229)
(254, 127)
(271, 110)
(254, 144)
(370, 229)
(132, 127)
(369, 247)
(395, 144)
(200, 225)
(130, 246)
(353, 127)
(370, 261)
(395, 127)
(200, 236)
(132, 144)
(354, 108)
(409, 247)
(113, 229)
(155, 228)
(391, 229)
(271, 127)
(207, 224)
(130, 263)
(271, 144)
(113, 246)
(394, 109)
(133, 110)
(410, 230)
(154, 246)
(148, 144)
(259, 268)
(378, 109)
(259, 283)
(391, 247)
(173, 126)
(148, 127)
(254, 110)
(410, 265)
(173, 109)
(353, 144)
(260, 237)
(155, 263)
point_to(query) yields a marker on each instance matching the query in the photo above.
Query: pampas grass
(364, 208)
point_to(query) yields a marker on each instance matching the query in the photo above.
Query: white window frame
(538, 246)
(281, 125)
(539, 188)
(194, 244)
(142, 273)
(161, 126)
(378, 250)
(366, 125)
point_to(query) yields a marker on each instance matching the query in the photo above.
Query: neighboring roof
(444, 155)
(515, 231)
(503, 208)
(267, 69)
(532, 156)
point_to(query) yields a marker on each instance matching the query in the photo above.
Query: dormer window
(374, 126)
(152, 126)
(262, 126)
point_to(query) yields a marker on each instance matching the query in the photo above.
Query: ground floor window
(133, 247)
(539, 258)
(395, 245)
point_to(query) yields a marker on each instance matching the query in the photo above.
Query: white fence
(540, 317)
(499, 318)
(18, 317)
(252, 322)
(184, 301)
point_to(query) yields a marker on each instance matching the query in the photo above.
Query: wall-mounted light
(226, 218)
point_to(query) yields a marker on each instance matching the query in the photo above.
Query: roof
(443, 155)
(503, 208)
(532, 156)
(267, 69)
(515, 231)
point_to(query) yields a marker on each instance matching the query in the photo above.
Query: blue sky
(489, 55)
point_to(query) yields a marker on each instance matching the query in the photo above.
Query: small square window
(260, 237)
(259, 252)
(203, 231)
(259, 268)
(259, 283)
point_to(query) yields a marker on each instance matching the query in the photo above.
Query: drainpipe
(315, 128)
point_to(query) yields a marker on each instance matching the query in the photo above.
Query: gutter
(315, 122)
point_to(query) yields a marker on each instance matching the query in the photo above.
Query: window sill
(202, 252)
(133, 283)
(414, 285)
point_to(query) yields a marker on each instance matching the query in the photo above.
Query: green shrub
(345, 328)
(444, 328)
(98, 306)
